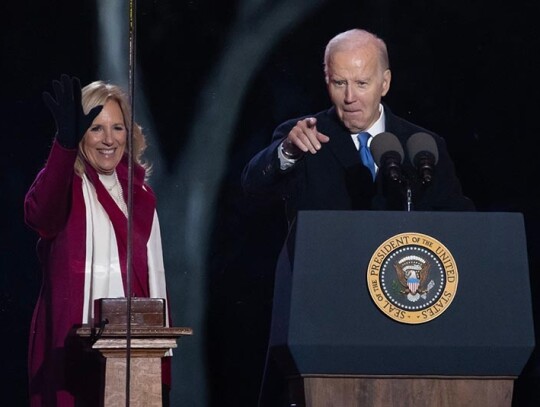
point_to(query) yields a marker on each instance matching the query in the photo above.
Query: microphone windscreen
(383, 143)
(422, 142)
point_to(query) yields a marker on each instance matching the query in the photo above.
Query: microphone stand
(409, 197)
(404, 182)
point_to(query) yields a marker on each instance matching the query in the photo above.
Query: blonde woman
(78, 206)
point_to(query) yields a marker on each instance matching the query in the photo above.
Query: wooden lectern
(149, 341)
(384, 391)
(335, 346)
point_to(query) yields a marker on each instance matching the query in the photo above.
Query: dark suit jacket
(335, 179)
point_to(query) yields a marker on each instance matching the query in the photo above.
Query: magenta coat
(59, 373)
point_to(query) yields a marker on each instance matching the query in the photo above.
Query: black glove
(71, 122)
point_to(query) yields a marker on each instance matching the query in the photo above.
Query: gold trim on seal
(387, 284)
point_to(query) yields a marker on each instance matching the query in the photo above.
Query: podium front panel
(334, 327)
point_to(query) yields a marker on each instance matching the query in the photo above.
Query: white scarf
(103, 278)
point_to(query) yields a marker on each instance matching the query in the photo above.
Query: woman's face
(105, 140)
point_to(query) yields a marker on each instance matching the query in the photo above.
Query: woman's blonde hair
(98, 93)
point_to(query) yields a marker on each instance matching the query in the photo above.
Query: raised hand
(71, 122)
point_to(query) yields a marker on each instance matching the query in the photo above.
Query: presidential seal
(412, 278)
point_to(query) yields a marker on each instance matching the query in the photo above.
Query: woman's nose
(107, 137)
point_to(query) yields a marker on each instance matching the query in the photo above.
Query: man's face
(356, 83)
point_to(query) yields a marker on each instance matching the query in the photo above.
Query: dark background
(465, 69)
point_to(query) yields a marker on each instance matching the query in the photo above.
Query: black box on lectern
(326, 322)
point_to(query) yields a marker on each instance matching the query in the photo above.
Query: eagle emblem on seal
(413, 277)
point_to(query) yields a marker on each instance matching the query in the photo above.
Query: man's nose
(349, 94)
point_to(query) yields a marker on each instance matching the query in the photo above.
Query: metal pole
(132, 63)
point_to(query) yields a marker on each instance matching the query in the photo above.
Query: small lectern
(377, 308)
(149, 341)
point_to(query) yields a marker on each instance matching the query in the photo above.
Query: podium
(338, 341)
(149, 341)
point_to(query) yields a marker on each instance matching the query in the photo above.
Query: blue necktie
(365, 154)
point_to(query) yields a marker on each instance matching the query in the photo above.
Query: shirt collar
(378, 126)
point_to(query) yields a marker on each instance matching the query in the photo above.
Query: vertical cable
(132, 62)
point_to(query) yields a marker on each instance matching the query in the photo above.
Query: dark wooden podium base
(403, 391)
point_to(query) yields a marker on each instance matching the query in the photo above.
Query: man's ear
(387, 77)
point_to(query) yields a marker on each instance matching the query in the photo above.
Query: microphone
(388, 154)
(424, 155)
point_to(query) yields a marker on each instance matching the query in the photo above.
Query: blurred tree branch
(187, 197)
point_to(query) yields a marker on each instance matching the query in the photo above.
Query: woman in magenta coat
(77, 205)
